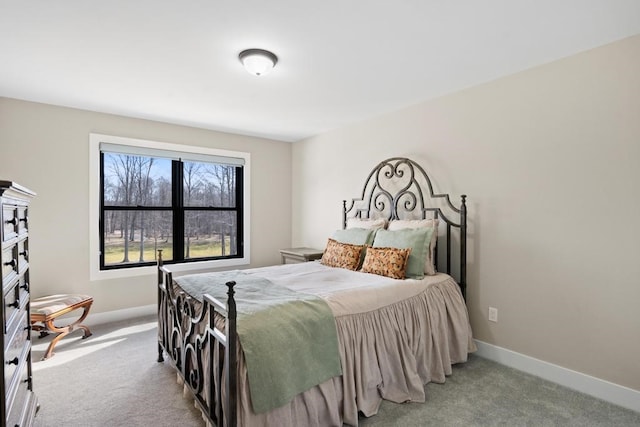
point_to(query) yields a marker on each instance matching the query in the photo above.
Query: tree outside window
(189, 209)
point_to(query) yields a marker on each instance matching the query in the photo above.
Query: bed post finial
(160, 263)
(160, 311)
(463, 246)
(344, 214)
(232, 378)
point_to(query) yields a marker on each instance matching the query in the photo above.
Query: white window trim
(94, 207)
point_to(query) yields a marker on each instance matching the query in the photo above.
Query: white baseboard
(118, 315)
(605, 390)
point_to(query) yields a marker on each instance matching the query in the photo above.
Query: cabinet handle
(12, 263)
(11, 221)
(13, 361)
(24, 253)
(25, 219)
(14, 304)
(25, 286)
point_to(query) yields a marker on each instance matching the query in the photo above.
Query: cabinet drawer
(23, 254)
(21, 409)
(14, 301)
(9, 262)
(23, 219)
(11, 303)
(16, 353)
(9, 222)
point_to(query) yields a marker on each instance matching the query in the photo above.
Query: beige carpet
(109, 379)
(113, 379)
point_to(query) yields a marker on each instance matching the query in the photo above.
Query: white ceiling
(340, 61)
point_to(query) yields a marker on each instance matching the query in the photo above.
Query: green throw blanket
(288, 338)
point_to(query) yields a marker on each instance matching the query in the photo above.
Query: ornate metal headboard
(396, 189)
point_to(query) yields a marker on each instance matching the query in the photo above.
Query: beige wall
(548, 157)
(550, 161)
(46, 148)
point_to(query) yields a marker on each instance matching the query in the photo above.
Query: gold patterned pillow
(390, 262)
(342, 255)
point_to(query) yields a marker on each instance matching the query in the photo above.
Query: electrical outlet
(493, 314)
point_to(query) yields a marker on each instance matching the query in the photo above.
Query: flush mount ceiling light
(258, 61)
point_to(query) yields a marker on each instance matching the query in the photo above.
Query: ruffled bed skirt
(389, 353)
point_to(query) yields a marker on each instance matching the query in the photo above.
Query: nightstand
(296, 255)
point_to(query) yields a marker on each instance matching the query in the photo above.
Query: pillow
(415, 238)
(429, 266)
(354, 236)
(366, 223)
(341, 255)
(390, 262)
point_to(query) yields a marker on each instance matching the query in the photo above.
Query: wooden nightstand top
(300, 254)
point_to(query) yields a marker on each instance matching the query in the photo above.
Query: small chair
(47, 309)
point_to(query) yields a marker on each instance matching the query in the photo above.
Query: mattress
(394, 337)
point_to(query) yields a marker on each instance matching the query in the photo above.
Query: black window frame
(178, 210)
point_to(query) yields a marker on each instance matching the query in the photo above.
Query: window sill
(190, 267)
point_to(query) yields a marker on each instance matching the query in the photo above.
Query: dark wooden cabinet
(19, 403)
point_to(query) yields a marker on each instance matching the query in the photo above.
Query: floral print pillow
(342, 255)
(390, 262)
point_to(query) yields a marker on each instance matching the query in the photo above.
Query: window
(188, 201)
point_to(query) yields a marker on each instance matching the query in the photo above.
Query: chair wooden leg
(63, 331)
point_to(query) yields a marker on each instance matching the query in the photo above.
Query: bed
(322, 343)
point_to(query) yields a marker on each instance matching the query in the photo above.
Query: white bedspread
(394, 337)
(346, 291)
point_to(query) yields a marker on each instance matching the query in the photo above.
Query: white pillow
(429, 266)
(366, 223)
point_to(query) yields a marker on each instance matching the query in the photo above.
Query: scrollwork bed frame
(395, 189)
